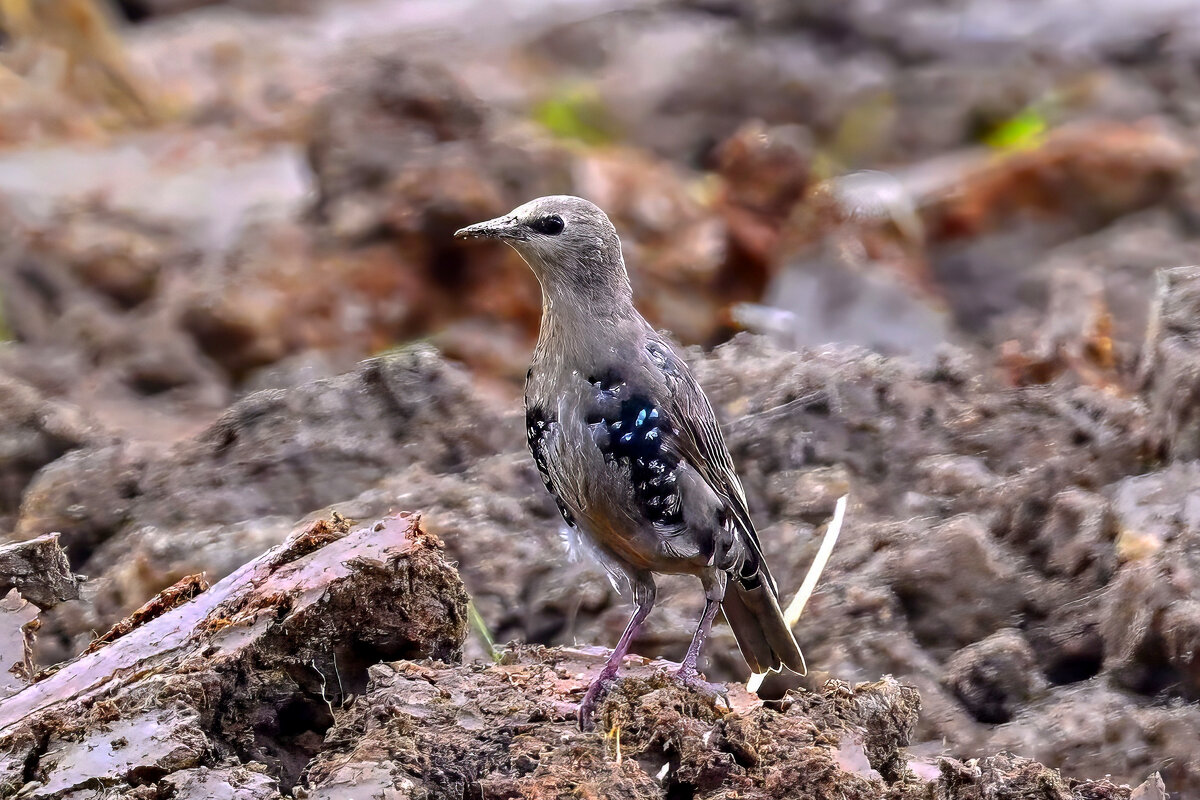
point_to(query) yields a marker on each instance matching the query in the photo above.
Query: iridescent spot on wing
(629, 430)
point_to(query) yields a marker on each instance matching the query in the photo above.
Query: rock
(34, 431)
(1171, 363)
(231, 781)
(1076, 338)
(766, 173)
(995, 676)
(1091, 728)
(400, 128)
(168, 599)
(887, 712)
(1149, 621)
(1156, 509)
(315, 444)
(85, 497)
(1152, 789)
(955, 584)
(104, 283)
(675, 246)
(103, 90)
(252, 667)
(983, 246)
(18, 621)
(1021, 777)
(1079, 541)
(404, 126)
(39, 570)
(139, 519)
(814, 302)
(1122, 259)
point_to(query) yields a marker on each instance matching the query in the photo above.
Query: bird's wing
(699, 441)
(751, 606)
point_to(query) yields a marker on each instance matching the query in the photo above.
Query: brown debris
(183, 691)
(94, 294)
(511, 729)
(1077, 337)
(68, 73)
(176, 595)
(1089, 171)
(1010, 776)
(314, 537)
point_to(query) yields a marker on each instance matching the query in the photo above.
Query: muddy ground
(920, 256)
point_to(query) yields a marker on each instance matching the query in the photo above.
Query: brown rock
(139, 519)
(1093, 729)
(1093, 170)
(955, 584)
(101, 282)
(995, 676)
(35, 430)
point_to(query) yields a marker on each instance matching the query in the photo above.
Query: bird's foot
(690, 678)
(595, 693)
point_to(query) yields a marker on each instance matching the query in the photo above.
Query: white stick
(796, 607)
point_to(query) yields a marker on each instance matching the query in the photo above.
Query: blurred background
(197, 195)
(201, 200)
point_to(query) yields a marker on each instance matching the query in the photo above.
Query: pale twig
(796, 607)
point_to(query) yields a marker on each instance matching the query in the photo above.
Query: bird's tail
(762, 633)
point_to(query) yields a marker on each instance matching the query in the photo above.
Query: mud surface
(268, 682)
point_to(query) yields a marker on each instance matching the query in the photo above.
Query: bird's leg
(714, 592)
(643, 595)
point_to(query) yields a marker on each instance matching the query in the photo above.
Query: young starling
(628, 445)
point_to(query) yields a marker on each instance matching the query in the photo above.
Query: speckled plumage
(627, 443)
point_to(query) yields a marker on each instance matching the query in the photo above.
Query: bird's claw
(692, 680)
(595, 693)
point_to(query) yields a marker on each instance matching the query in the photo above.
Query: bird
(628, 445)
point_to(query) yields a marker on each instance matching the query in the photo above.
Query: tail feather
(761, 631)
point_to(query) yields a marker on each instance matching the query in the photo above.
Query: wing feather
(699, 441)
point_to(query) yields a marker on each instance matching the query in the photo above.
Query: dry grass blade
(796, 607)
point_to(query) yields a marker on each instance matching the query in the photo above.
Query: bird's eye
(551, 226)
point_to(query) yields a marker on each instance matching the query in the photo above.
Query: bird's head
(570, 245)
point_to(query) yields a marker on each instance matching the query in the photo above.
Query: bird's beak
(506, 227)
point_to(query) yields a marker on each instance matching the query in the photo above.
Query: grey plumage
(627, 443)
